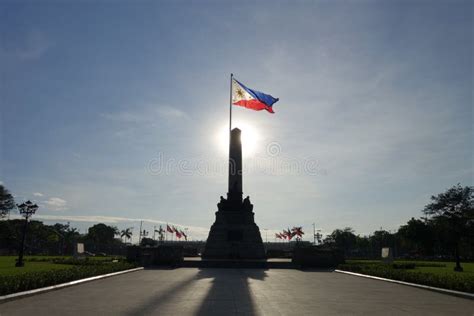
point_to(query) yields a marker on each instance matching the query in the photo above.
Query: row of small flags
(289, 234)
(179, 233)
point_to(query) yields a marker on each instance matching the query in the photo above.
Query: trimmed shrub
(403, 266)
(32, 280)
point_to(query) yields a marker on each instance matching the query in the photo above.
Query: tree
(453, 212)
(68, 236)
(7, 203)
(102, 234)
(41, 238)
(127, 233)
(344, 239)
(10, 235)
(418, 236)
(363, 248)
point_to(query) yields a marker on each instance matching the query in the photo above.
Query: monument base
(156, 256)
(234, 235)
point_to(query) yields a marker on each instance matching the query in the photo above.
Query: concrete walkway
(191, 291)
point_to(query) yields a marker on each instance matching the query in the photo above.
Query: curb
(18, 295)
(426, 287)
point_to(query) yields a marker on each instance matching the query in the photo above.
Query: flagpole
(230, 106)
(230, 122)
(140, 235)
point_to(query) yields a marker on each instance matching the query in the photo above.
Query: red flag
(289, 235)
(184, 235)
(277, 235)
(178, 234)
(298, 231)
(168, 229)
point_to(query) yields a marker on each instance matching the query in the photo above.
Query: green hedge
(452, 281)
(32, 280)
(85, 261)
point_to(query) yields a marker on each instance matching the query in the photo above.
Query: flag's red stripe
(254, 105)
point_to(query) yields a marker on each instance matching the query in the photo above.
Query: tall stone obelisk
(234, 234)
(235, 165)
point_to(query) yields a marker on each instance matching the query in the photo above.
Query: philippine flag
(251, 99)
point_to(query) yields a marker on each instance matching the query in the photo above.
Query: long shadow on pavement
(230, 292)
(153, 303)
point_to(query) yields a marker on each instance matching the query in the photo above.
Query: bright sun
(250, 139)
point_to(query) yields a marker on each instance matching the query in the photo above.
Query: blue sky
(375, 112)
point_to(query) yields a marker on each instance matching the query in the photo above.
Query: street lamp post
(143, 234)
(26, 209)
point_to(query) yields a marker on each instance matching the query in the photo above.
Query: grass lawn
(432, 273)
(7, 265)
(447, 269)
(468, 268)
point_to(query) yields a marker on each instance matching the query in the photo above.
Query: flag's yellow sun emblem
(240, 93)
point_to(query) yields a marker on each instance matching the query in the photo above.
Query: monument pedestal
(234, 235)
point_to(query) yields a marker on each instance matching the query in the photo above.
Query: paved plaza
(192, 291)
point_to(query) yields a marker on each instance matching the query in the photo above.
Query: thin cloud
(169, 112)
(126, 117)
(38, 194)
(196, 231)
(148, 115)
(112, 220)
(56, 204)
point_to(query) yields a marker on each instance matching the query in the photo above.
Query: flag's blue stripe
(260, 96)
(250, 91)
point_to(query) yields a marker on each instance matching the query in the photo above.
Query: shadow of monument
(230, 292)
(152, 304)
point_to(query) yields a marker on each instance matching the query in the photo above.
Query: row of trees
(57, 239)
(446, 231)
(54, 239)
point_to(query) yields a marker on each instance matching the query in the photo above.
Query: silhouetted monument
(234, 234)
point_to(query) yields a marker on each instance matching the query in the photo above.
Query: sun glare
(250, 139)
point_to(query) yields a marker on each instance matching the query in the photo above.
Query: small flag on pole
(251, 99)
(298, 231)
